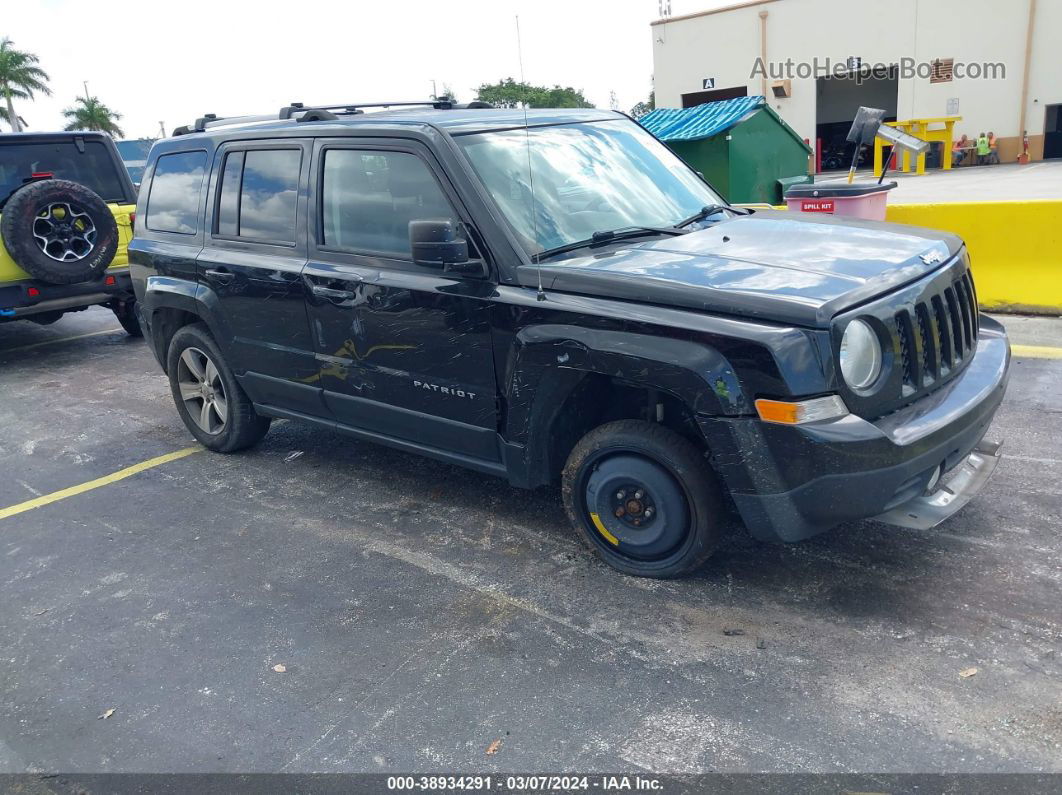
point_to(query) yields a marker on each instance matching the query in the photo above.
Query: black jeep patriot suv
(557, 297)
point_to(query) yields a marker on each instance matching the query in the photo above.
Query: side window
(173, 203)
(257, 195)
(369, 198)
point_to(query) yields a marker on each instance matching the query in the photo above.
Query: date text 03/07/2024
(524, 783)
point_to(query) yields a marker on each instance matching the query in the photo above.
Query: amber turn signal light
(785, 412)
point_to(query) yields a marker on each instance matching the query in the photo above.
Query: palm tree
(20, 77)
(91, 114)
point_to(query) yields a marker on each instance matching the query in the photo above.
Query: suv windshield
(588, 178)
(94, 168)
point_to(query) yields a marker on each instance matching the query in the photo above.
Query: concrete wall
(1015, 248)
(725, 44)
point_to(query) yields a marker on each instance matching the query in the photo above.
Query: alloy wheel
(64, 231)
(202, 391)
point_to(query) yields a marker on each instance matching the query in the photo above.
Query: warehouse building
(994, 64)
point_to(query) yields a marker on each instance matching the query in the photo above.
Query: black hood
(783, 266)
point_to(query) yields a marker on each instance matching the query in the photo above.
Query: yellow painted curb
(1036, 351)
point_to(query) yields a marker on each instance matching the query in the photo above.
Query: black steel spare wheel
(636, 506)
(59, 231)
(643, 498)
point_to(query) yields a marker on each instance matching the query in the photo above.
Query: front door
(252, 268)
(404, 350)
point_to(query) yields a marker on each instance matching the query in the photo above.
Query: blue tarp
(700, 121)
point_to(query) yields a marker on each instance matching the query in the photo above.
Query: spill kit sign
(817, 206)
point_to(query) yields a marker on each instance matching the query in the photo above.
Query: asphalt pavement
(427, 618)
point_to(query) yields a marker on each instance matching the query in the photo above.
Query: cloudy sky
(173, 60)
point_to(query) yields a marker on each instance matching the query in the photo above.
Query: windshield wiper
(710, 210)
(608, 236)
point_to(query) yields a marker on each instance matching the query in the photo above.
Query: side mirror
(436, 243)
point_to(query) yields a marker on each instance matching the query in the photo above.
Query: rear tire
(644, 499)
(46, 318)
(211, 402)
(125, 311)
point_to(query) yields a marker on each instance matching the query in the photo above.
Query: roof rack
(308, 113)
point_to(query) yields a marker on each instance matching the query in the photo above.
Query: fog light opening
(934, 479)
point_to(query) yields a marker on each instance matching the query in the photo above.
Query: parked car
(557, 298)
(66, 215)
(134, 155)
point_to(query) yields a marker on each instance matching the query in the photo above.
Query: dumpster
(741, 146)
(785, 183)
(854, 200)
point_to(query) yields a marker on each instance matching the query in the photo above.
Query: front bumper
(949, 494)
(792, 482)
(31, 297)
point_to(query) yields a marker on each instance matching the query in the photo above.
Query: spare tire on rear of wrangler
(59, 231)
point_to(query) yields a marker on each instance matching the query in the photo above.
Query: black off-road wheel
(644, 499)
(59, 231)
(211, 402)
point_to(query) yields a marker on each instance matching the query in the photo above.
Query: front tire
(644, 499)
(211, 402)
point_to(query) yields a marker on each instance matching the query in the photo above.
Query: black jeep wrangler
(557, 297)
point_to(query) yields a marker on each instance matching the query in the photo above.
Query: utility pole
(434, 90)
(162, 129)
(85, 83)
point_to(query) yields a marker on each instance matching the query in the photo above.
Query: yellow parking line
(81, 488)
(1036, 351)
(59, 339)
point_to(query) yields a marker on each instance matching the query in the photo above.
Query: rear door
(251, 267)
(404, 350)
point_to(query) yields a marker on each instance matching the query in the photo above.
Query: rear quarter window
(174, 200)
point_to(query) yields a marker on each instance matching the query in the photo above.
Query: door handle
(331, 293)
(219, 276)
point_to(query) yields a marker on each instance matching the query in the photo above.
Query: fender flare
(166, 292)
(549, 361)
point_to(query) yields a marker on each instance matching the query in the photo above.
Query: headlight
(860, 355)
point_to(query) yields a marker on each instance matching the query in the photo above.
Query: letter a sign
(707, 83)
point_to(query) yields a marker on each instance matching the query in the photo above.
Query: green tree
(89, 113)
(508, 93)
(642, 108)
(20, 78)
